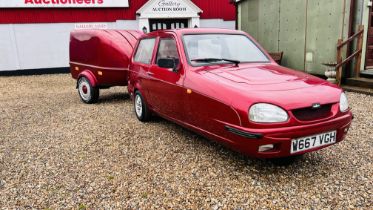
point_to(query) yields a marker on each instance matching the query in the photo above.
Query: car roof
(196, 31)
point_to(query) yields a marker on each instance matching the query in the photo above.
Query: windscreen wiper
(211, 60)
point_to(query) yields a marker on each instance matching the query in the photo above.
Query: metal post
(360, 49)
(339, 60)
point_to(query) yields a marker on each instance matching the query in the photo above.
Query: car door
(165, 85)
(142, 62)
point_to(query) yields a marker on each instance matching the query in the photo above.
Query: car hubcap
(138, 106)
(84, 91)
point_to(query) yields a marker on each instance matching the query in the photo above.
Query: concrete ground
(58, 153)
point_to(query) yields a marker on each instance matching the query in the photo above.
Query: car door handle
(150, 73)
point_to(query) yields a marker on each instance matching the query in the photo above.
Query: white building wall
(42, 45)
(217, 23)
(127, 24)
(39, 46)
(8, 48)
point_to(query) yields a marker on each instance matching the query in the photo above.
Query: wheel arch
(137, 87)
(89, 75)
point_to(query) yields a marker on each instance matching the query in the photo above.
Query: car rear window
(145, 51)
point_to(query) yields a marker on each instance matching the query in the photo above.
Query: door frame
(365, 21)
(370, 17)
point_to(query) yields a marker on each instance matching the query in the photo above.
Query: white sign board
(89, 26)
(62, 3)
(169, 8)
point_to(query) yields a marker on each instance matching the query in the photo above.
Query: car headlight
(343, 103)
(267, 113)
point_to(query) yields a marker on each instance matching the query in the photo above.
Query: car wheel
(141, 109)
(285, 161)
(87, 93)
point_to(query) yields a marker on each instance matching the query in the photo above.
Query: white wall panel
(38, 46)
(43, 45)
(217, 23)
(8, 49)
(127, 24)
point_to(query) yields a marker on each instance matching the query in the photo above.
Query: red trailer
(100, 59)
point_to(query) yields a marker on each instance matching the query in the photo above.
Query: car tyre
(141, 109)
(88, 94)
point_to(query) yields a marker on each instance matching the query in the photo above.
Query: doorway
(163, 24)
(369, 50)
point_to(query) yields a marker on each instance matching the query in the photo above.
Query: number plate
(310, 142)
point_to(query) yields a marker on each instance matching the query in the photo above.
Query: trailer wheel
(87, 93)
(141, 109)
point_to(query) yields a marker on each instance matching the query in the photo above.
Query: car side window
(144, 51)
(167, 49)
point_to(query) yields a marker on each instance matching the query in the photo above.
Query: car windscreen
(206, 49)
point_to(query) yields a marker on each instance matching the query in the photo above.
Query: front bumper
(248, 140)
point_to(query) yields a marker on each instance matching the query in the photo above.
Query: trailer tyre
(141, 109)
(87, 93)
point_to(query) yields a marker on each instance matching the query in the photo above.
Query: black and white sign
(310, 142)
(169, 6)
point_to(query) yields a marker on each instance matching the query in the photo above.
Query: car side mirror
(168, 63)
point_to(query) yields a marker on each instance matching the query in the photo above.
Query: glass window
(145, 51)
(168, 49)
(214, 48)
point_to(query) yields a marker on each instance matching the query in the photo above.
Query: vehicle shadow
(240, 161)
(113, 97)
(226, 156)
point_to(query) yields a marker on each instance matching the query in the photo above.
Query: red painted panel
(212, 9)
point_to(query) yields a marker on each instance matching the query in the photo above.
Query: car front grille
(311, 114)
